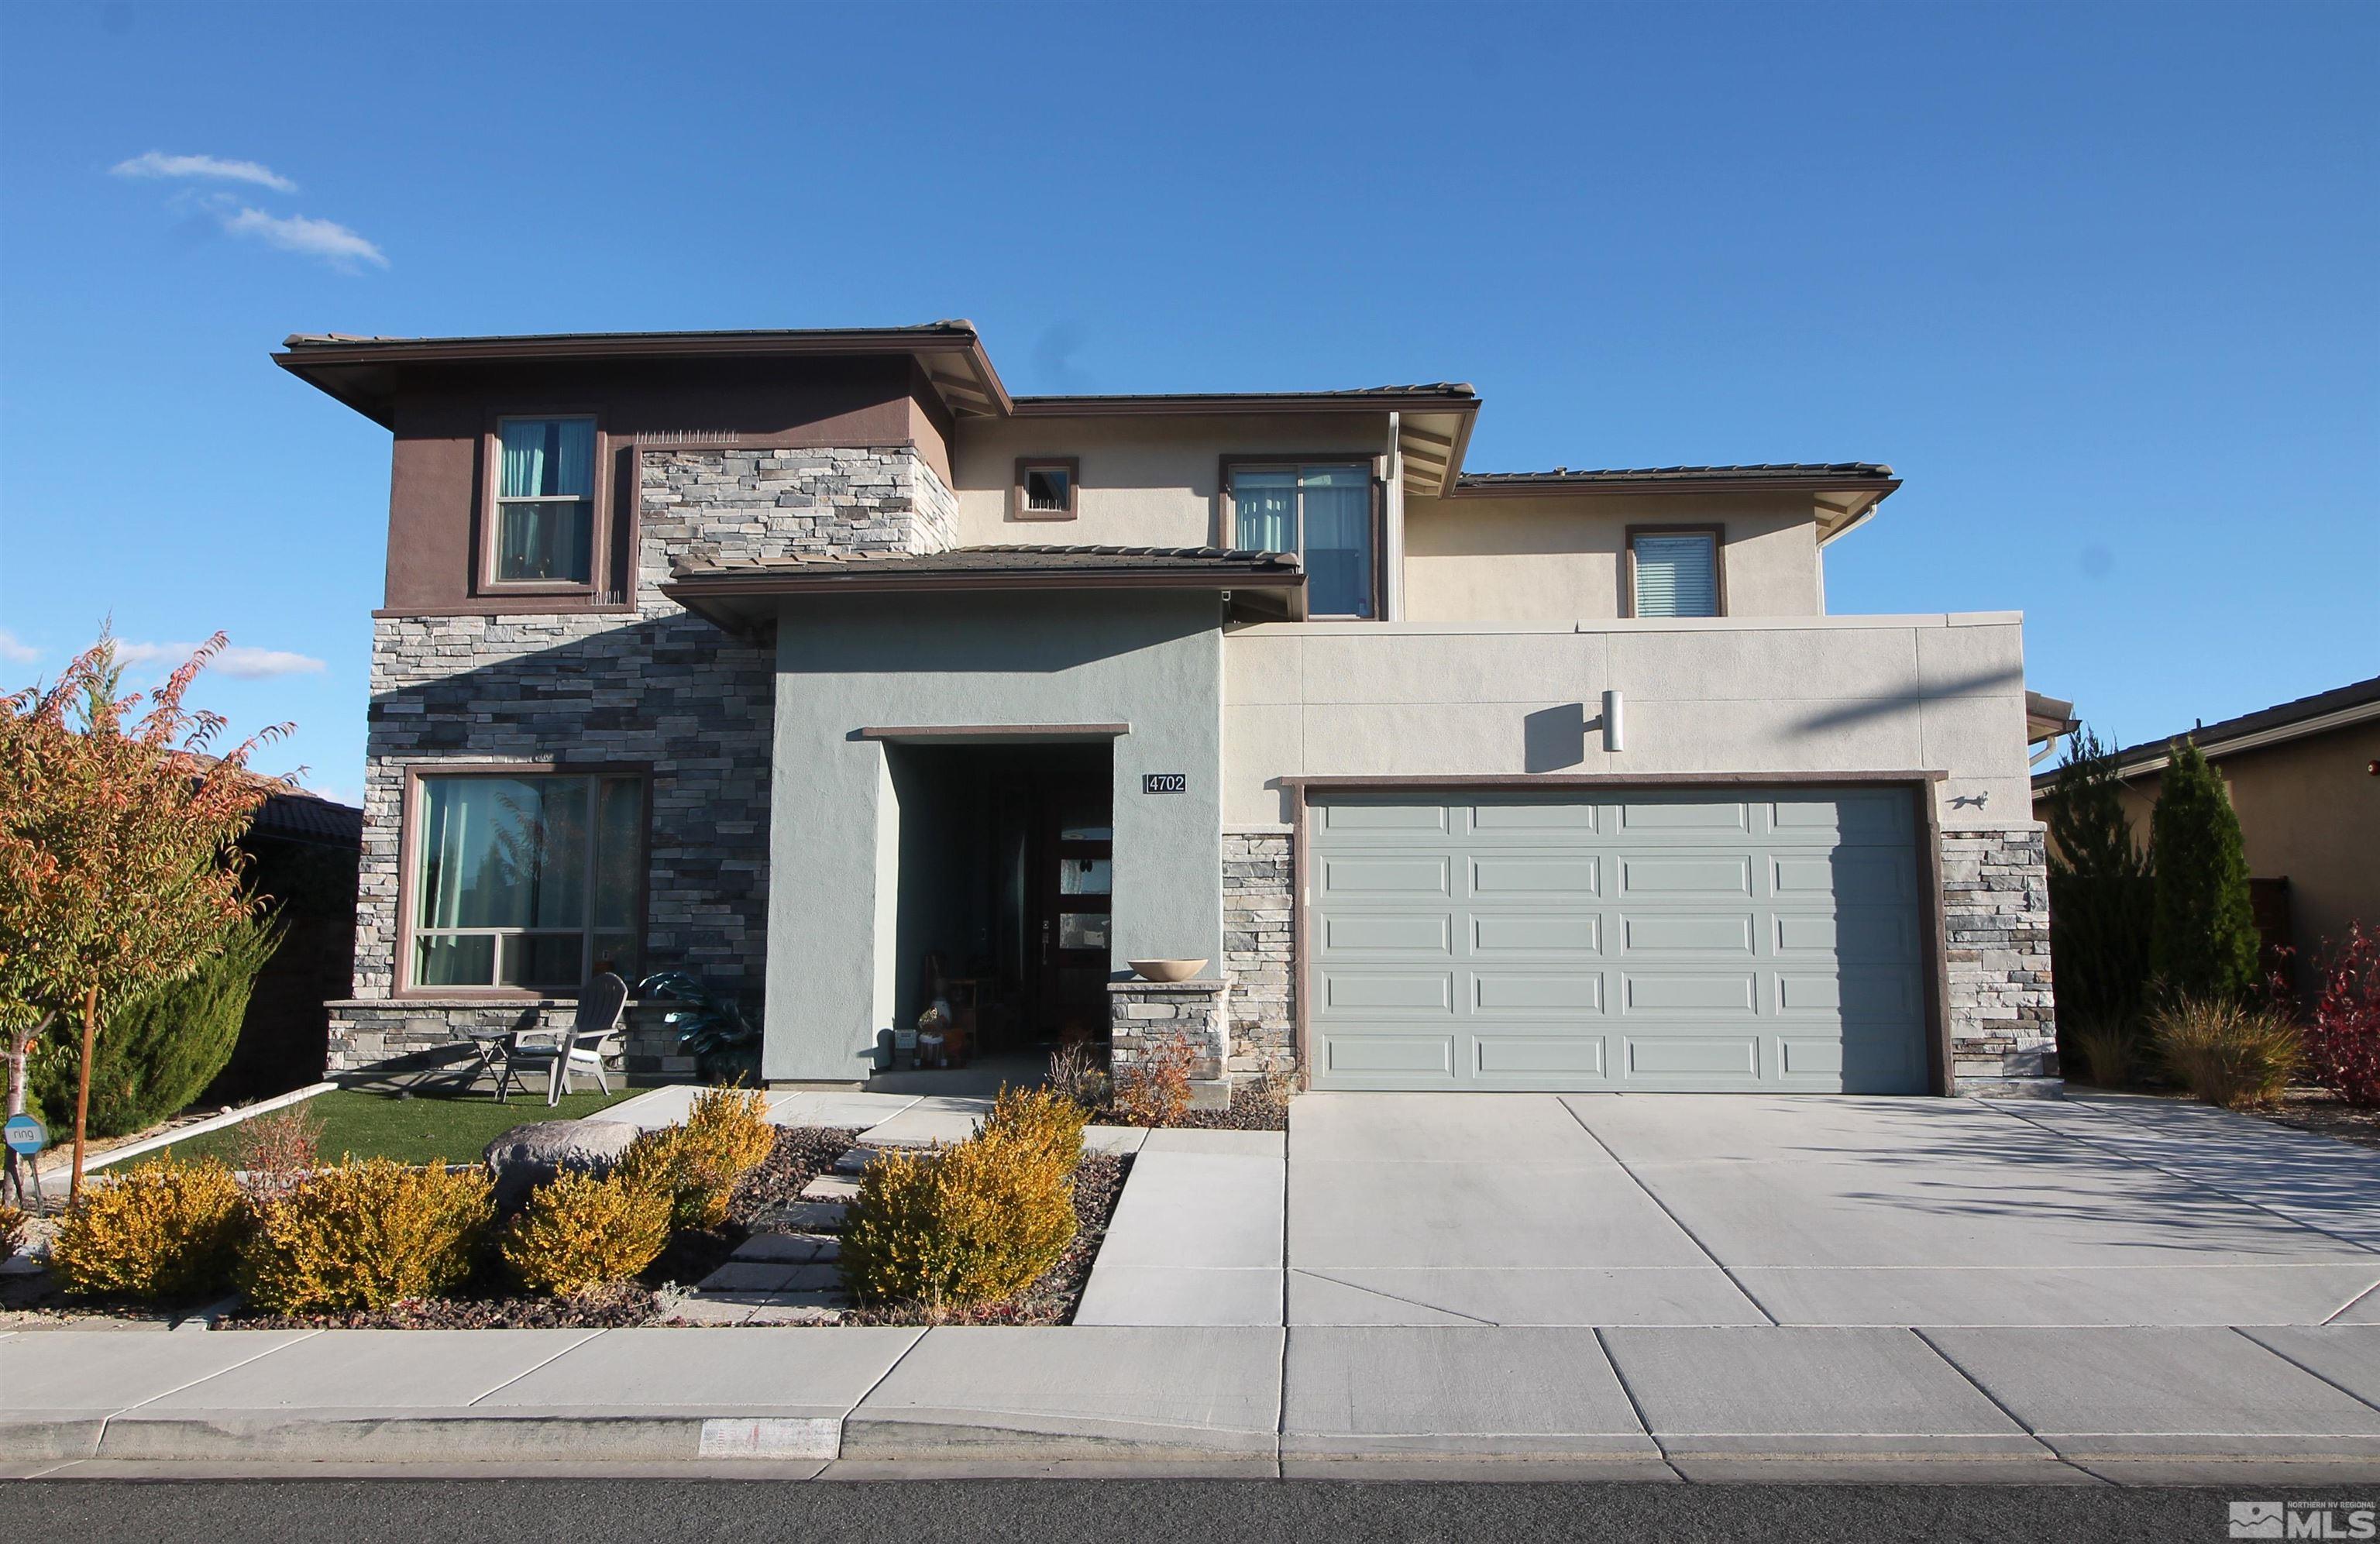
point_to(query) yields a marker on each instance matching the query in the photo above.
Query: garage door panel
(1542, 932)
(1491, 877)
(1386, 876)
(1373, 990)
(1672, 940)
(1405, 1055)
(1681, 876)
(1682, 934)
(1538, 1055)
(1701, 993)
(1389, 934)
(1536, 992)
(1730, 1057)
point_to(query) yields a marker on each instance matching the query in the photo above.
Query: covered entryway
(1659, 939)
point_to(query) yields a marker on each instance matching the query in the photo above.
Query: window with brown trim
(527, 879)
(1325, 512)
(1046, 486)
(544, 527)
(1676, 571)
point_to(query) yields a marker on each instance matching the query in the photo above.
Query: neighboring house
(795, 658)
(302, 852)
(2304, 778)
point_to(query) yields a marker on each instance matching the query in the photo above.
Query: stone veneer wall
(1996, 931)
(1141, 1014)
(654, 685)
(1260, 952)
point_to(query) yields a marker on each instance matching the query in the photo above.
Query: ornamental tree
(117, 869)
(2100, 896)
(2204, 941)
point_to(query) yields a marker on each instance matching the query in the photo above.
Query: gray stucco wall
(1152, 660)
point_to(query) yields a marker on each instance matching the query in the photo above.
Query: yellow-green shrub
(731, 1126)
(12, 1230)
(1042, 1119)
(366, 1235)
(971, 1223)
(726, 1133)
(579, 1231)
(165, 1229)
(675, 1163)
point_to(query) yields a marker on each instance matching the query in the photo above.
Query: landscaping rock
(527, 1156)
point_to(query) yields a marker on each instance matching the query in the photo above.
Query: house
(2304, 779)
(803, 659)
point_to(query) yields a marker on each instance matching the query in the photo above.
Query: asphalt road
(1096, 1511)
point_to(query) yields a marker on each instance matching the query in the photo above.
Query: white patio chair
(593, 1036)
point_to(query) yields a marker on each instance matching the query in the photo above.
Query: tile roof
(1038, 558)
(2215, 739)
(293, 815)
(1560, 475)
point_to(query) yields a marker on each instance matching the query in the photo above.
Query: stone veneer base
(1141, 1014)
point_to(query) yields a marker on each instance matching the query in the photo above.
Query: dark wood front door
(1074, 876)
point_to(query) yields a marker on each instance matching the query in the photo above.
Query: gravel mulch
(619, 1306)
(2325, 1114)
(1053, 1298)
(1254, 1107)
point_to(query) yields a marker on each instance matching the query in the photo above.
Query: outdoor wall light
(1611, 737)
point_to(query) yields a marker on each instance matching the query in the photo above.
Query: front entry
(1745, 939)
(1073, 878)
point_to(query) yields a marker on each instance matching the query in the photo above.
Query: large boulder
(526, 1156)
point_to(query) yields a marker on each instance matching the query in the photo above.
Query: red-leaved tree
(118, 871)
(2343, 1043)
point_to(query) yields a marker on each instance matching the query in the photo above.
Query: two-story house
(796, 658)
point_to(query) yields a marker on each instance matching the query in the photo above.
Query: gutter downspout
(1392, 535)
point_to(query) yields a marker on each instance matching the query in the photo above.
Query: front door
(1073, 858)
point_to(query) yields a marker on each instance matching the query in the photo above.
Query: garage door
(1672, 939)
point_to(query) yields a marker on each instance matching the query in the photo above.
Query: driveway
(1612, 1210)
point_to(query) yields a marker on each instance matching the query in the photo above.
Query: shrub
(2342, 1045)
(365, 1234)
(2225, 1051)
(580, 1231)
(275, 1151)
(13, 1224)
(970, 1223)
(156, 1055)
(2205, 941)
(165, 1229)
(2102, 896)
(2107, 1053)
(1155, 1089)
(1075, 1072)
(697, 1164)
(1043, 1120)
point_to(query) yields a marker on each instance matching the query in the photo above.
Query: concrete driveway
(1612, 1210)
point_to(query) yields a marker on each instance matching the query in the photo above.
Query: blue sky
(2102, 282)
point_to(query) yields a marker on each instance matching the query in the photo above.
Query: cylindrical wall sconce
(1611, 739)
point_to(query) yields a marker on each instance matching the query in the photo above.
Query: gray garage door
(1745, 939)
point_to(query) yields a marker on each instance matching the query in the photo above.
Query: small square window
(1674, 572)
(1045, 489)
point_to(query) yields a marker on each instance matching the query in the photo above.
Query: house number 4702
(1164, 783)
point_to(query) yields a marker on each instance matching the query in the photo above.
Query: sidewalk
(1703, 1404)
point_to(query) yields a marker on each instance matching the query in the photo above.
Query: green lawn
(423, 1129)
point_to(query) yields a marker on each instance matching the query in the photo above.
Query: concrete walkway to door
(1628, 1211)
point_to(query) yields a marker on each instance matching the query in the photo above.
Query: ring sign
(1164, 783)
(25, 1136)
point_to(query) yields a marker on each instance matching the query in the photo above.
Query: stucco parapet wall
(1854, 622)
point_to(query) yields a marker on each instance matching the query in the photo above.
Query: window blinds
(1677, 576)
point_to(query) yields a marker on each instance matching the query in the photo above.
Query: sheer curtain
(1338, 540)
(546, 484)
(1265, 507)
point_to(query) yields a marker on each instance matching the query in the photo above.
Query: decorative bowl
(1167, 971)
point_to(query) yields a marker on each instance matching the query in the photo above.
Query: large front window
(1321, 512)
(545, 501)
(527, 883)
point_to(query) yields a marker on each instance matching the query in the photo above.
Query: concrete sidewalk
(1706, 1402)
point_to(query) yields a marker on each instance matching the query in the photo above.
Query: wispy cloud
(157, 164)
(239, 660)
(14, 650)
(334, 243)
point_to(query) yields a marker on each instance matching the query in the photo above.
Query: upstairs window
(1322, 513)
(545, 501)
(1045, 487)
(1673, 573)
(527, 883)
